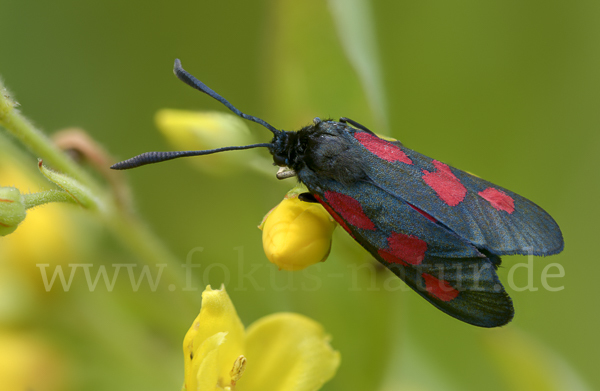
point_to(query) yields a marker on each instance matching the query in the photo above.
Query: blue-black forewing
(498, 227)
(446, 270)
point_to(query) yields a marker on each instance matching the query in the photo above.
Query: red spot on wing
(333, 214)
(445, 184)
(404, 249)
(429, 217)
(382, 148)
(498, 199)
(5, 200)
(439, 288)
(349, 209)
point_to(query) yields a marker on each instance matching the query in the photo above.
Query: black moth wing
(504, 224)
(448, 272)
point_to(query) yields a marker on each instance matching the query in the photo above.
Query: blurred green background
(508, 90)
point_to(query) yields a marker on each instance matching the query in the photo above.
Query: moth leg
(307, 197)
(355, 124)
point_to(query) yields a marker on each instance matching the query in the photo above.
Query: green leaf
(81, 194)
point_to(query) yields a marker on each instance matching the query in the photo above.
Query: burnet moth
(440, 229)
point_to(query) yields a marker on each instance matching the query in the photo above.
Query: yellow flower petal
(297, 234)
(204, 375)
(287, 352)
(217, 318)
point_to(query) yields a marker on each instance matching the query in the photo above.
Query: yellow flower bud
(192, 130)
(12, 210)
(297, 234)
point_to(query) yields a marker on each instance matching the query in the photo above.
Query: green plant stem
(126, 227)
(41, 146)
(36, 199)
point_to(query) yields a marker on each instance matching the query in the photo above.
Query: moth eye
(316, 120)
(280, 160)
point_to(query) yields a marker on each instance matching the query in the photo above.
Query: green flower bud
(12, 210)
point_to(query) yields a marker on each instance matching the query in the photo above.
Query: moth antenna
(191, 81)
(157, 157)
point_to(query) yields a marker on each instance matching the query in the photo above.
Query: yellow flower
(192, 130)
(283, 351)
(28, 363)
(297, 234)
